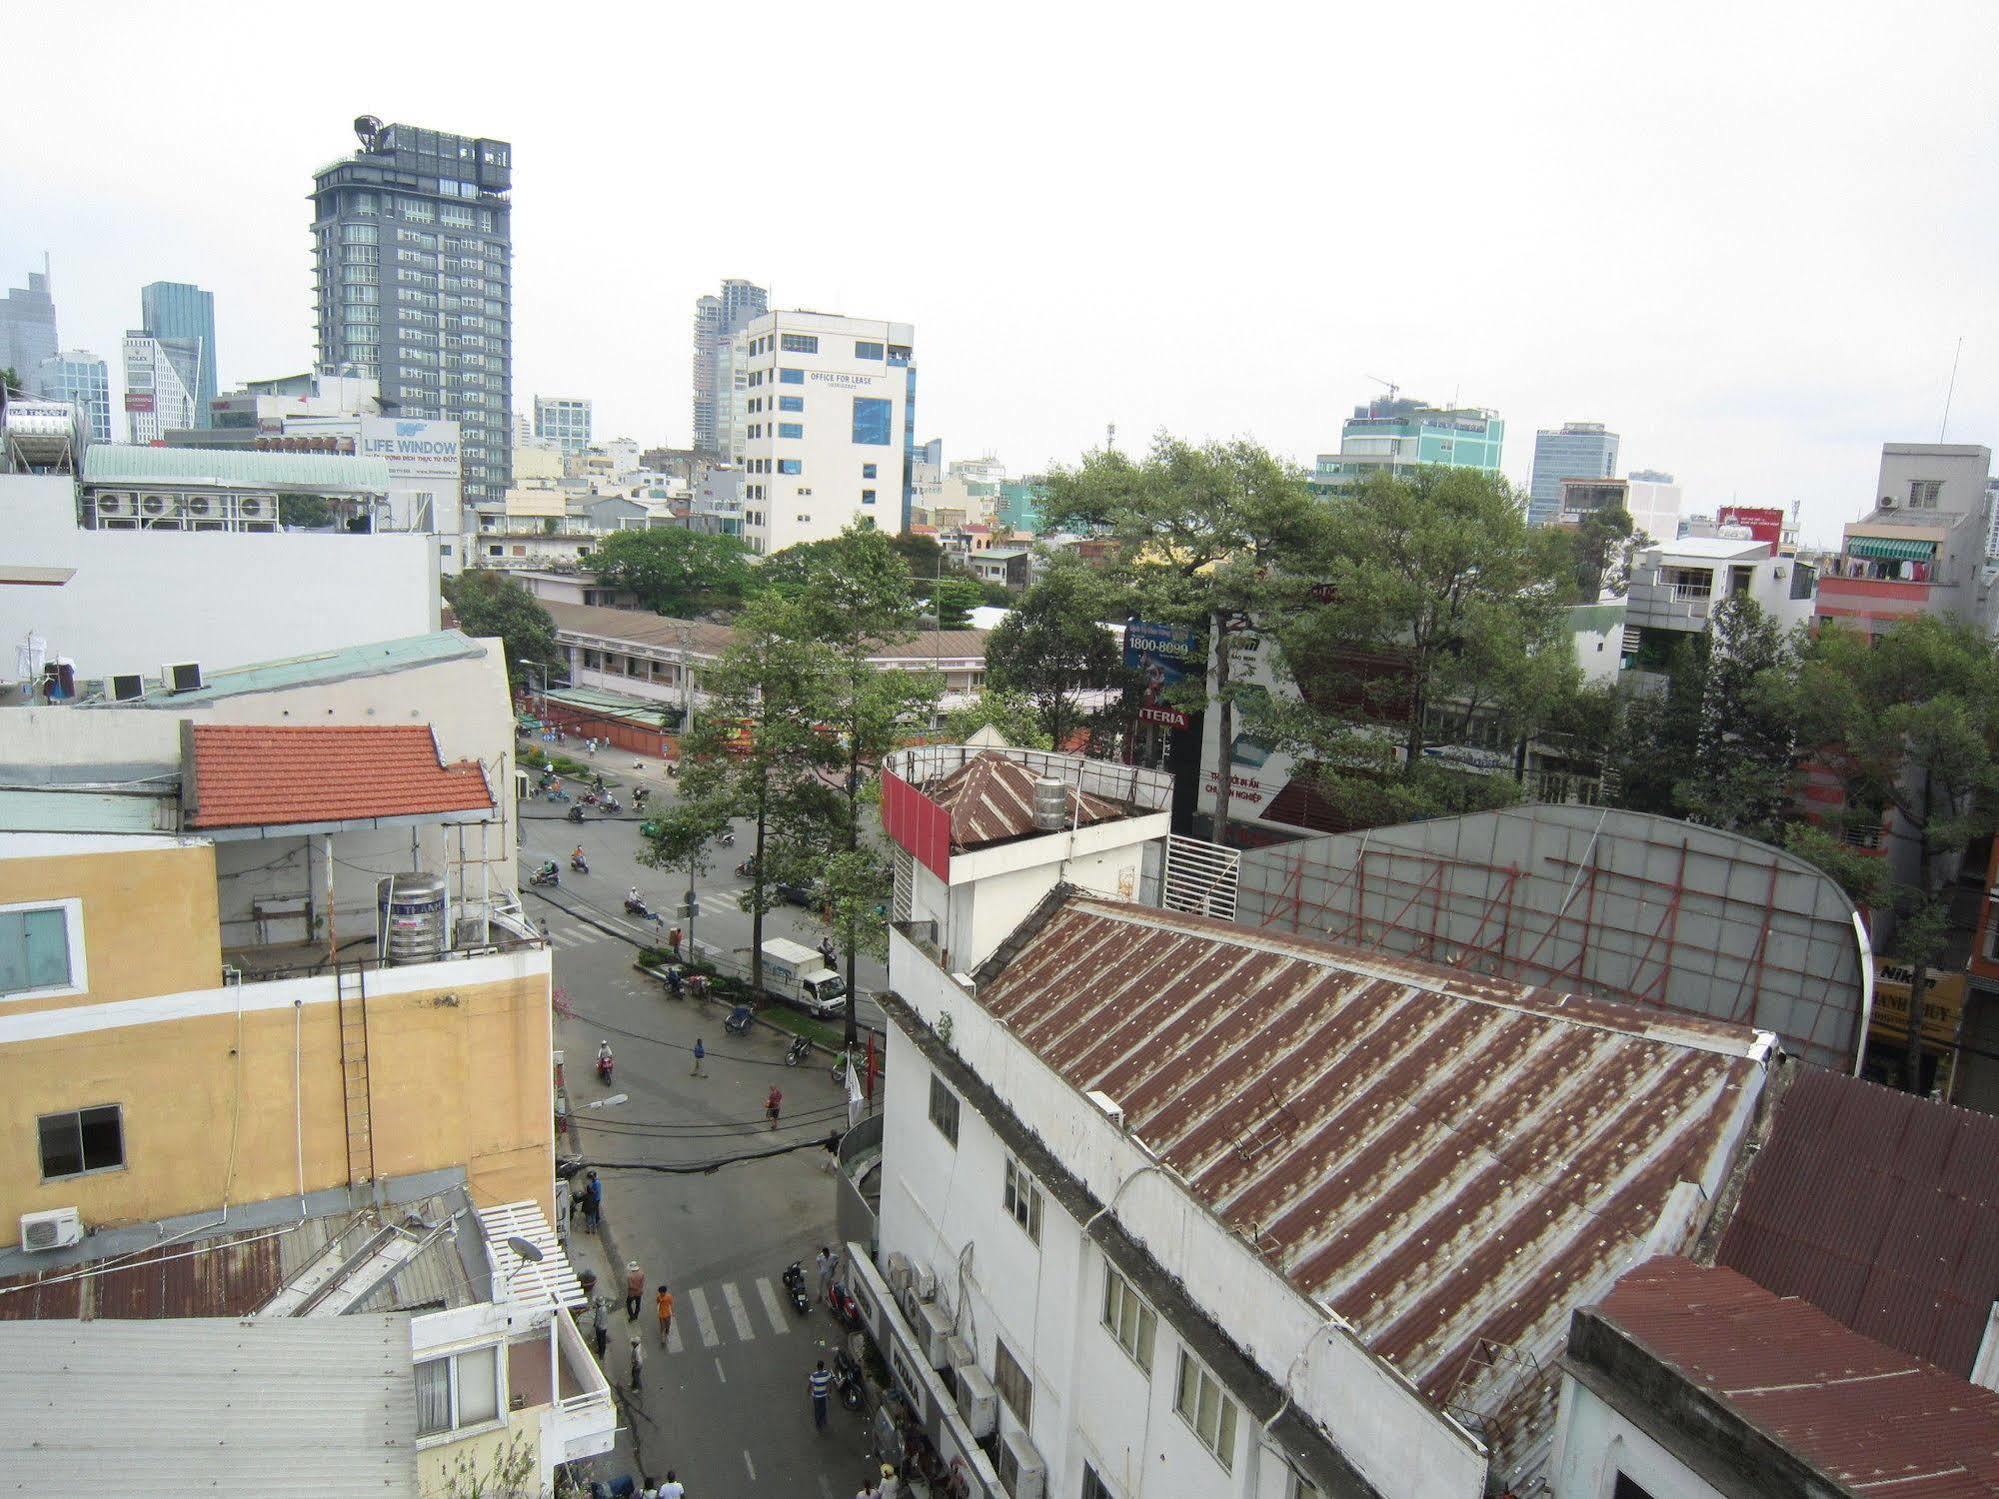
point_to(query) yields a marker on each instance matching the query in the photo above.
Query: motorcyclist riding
(604, 1060)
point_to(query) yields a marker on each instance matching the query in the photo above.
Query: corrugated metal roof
(378, 658)
(209, 1406)
(991, 798)
(1867, 1416)
(240, 468)
(1879, 1208)
(1440, 1158)
(58, 811)
(642, 628)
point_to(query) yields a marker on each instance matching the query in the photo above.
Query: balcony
(1876, 603)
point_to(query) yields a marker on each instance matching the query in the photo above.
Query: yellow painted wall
(460, 1076)
(149, 918)
(481, 1464)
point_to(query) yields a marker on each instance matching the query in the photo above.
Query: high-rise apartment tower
(717, 376)
(564, 421)
(414, 247)
(1580, 450)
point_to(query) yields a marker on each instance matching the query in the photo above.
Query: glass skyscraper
(1388, 436)
(28, 328)
(1580, 450)
(413, 243)
(717, 377)
(84, 381)
(182, 318)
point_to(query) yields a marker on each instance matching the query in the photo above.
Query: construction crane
(1393, 388)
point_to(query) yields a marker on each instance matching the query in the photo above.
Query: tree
(1909, 722)
(1202, 535)
(682, 838)
(10, 381)
(758, 752)
(954, 599)
(1017, 719)
(1438, 570)
(678, 573)
(1655, 745)
(1054, 644)
(1604, 543)
(852, 595)
(1745, 748)
(309, 511)
(491, 603)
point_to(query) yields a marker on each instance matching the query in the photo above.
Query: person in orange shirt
(665, 1302)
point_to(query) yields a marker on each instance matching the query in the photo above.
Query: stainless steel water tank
(414, 912)
(1051, 804)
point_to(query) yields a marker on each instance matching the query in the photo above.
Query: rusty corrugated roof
(1879, 1208)
(991, 798)
(1870, 1417)
(1440, 1158)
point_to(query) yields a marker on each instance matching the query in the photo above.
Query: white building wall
(1594, 1442)
(933, 1202)
(141, 598)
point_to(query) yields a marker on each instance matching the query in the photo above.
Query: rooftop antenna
(1950, 390)
(1110, 437)
(1393, 388)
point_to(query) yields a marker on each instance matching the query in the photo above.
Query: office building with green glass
(182, 318)
(1393, 435)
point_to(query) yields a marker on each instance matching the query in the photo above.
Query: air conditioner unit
(257, 507)
(158, 504)
(911, 1304)
(1888, 502)
(898, 1272)
(183, 676)
(978, 1402)
(925, 1282)
(958, 1353)
(198, 504)
(1021, 1471)
(116, 504)
(933, 1331)
(52, 1230)
(126, 686)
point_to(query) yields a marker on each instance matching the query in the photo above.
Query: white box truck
(795, 972)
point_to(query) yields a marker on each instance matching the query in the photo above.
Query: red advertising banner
(913, 821)
(138, 400)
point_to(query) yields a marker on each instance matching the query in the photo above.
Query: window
(41, 949)
(799, 343)
(791, 429)
(1023, 1199)
(867, 471)
(790, 466)
(1013, 1384)
(359, 234)
(1626, 1489)
(790, 377)
(1129, 1319)
(1202, 1405)
(867, 350)
(944, 1109)
(457, 1391)
(81, 1140)
(1093, 1486)
(1924, 493)
(867, 497)
(873, 418)
(791, 403)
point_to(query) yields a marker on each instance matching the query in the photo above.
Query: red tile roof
(255, 775)
(1879, 1208)
(1866, 1415)
(991, 798)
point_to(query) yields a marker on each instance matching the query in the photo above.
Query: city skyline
(1759, 333)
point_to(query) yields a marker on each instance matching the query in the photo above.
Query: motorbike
(794, 1287)
(672, 769)
(728, 839)
(639, 799)
(604, 1070)
(738, 1023)
(579, 864)
(545, 874)
(840, 1064)
(746, 870)
(589, 798)
(610, 806)
(847, 1380)
(557, 794)
(799, 1049)
(846, 1310)
(575, 813)
(637, 908)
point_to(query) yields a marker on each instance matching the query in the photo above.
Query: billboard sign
(138, 400)
(412, 449)
(1163, 656)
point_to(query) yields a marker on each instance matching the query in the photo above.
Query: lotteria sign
(412, 449)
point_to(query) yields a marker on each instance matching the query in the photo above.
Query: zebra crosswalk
(724, 1308)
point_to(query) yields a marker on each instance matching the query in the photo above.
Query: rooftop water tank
(1051, 805)
(415, 918)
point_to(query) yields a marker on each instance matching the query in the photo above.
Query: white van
(795, 972)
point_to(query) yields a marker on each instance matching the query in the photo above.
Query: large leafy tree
(679, 573)
(491, 603)
(1745, 749)
(1017, 719)
(1203, 536)
(1054, 646)
(1605, 542)
(1910, 725)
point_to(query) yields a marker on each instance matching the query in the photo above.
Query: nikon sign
(412, 449)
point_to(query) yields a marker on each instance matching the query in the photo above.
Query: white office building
(824, 426)
(157, 397)
(564, 421)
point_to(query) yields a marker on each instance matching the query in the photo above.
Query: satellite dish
(527, 1249)
(367, 127)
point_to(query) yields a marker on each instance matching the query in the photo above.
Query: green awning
(1886, 549)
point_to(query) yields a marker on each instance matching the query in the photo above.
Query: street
(724, 1400)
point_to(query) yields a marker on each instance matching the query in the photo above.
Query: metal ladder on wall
(351, 990)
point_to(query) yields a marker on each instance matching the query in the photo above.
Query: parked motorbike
(847, 1380)
(578, 863)
(738, 1022)
(799, 1049)
(575, 813)
(794, 1287)
(846, 1310)
(637, 908)
(545, 874)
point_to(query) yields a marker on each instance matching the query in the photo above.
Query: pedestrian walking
(593, 1202)
(600, 1324)
(819, 1382)
(673, 1488)
(673, 941)
(700, 1057)
(638, 1363)
(826, 1263)
(635, 1289)
(772, 1104)
(664, 1301)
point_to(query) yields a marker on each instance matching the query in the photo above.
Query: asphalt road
(724, 1401)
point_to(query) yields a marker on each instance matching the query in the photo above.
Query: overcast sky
(1747, 236)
